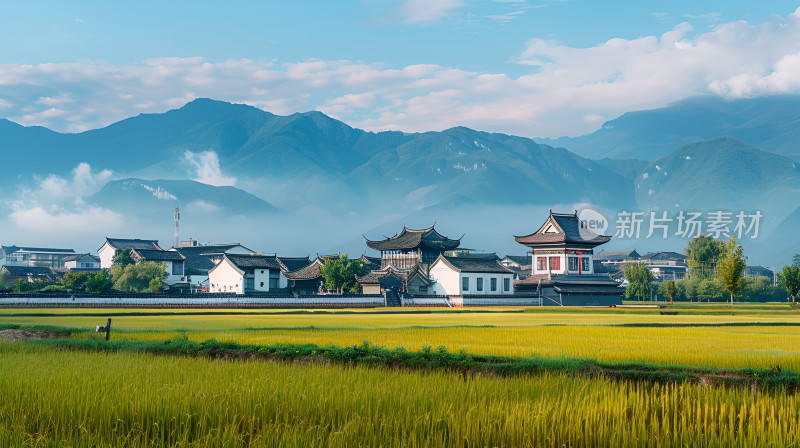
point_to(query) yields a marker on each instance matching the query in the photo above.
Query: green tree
(671, 290)
(75, 280)
(690, 288)
(99, 283)
(709, 290)
(340, 274)
(124, 258)
(796, 260)
(640, 281)
(23, 285)
(702, 255)
(789, 278)
(138, 277)
(730, 267)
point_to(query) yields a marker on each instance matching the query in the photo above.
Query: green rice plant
(70, 398)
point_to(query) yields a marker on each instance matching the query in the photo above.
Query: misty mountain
(139, 196)
(461, 166)
(325, 174)
(312, 160)
(721, 174)
(769, 123)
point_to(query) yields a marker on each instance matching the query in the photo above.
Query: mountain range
(770, 123)
(220, 159)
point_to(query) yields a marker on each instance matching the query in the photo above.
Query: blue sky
(540, 69)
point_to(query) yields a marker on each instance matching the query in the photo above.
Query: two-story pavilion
(562, 245)
(563, 267)
(413, 247)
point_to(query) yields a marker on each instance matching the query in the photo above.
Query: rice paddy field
(55, 397)
(756, 336)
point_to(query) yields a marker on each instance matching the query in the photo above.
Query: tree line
(125, 275)
(715, 273)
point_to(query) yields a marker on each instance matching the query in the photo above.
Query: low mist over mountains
(769, 123)
(137, 196)
(275, 175)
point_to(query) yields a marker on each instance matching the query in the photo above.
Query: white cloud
(568, 91)
(55, 206)
(207, 168)
(92, 220)
(427, 11)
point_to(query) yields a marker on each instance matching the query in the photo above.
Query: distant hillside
(721, 174)
(312, 160)
(769, 123)
(139, 196)
(462, 166)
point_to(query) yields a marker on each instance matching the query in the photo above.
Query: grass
(541, 377)
(66, 398)
(747, 339)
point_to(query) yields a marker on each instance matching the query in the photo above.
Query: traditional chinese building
(412, 247)
(562, 264)
(405, 260)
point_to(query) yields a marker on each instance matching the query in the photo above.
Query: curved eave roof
(569, 232)
(412, 238)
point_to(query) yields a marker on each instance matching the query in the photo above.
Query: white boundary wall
(189, 300)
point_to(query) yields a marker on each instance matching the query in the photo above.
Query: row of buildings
(560, 268)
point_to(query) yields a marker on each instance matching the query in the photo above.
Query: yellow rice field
(62, 398)
(760, 339)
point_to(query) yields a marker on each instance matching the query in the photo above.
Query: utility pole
(177, 228)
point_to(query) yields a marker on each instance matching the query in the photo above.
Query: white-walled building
(202, 258)
(173, 263)
(114, 246)
(33, 256)
(241, 274)
(466, 275)
(82, 263)
(563, 266)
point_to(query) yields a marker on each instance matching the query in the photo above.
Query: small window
(177, 268)
(555, 263)
(479, 286)
(493, 284)
(541, 263)
(585, 263)
(506, 284)
(262, 284)
(573, 264)
(274, 279)
(465, 283)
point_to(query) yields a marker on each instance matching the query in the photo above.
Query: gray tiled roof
(24, 271)
(157, 255)
(595, 279)
(310, 272)
(617, 255)
(663, 255)
(12, 249)
(246, 262)
(79, 256)
(570, 233)
(379, 276)
(294, 263)
(412, 238)
(520, 259)
(122, 244)
(201, 262)
(476, 264)
(208, 249)
(590, 289)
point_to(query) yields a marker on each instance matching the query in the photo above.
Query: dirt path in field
(24, 335)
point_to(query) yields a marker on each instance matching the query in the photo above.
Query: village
(413, 267)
